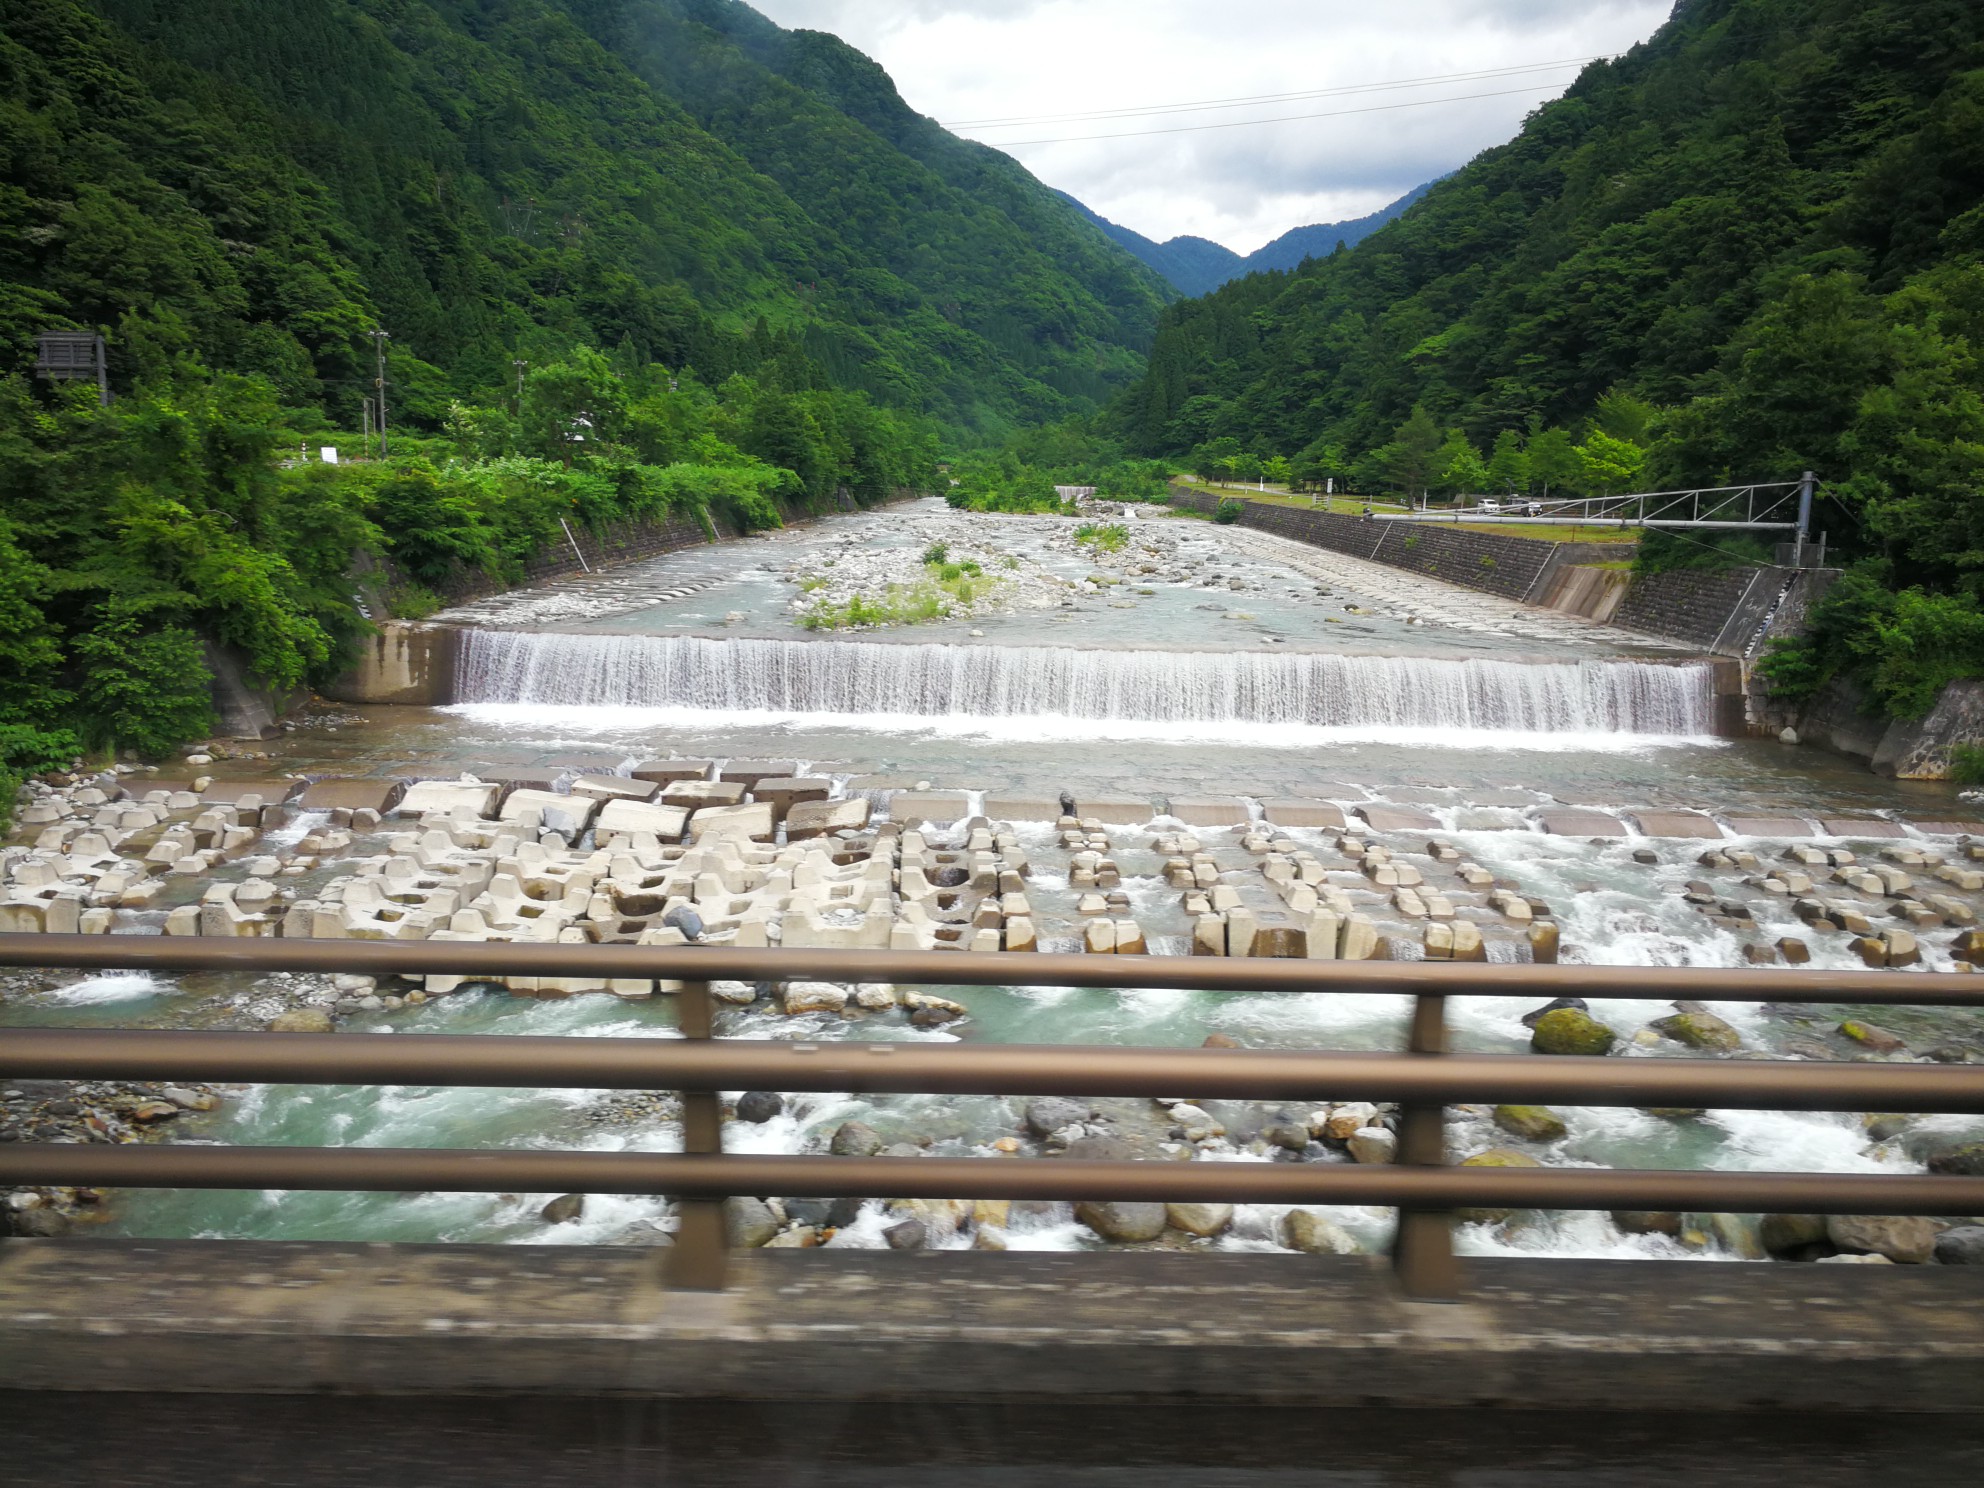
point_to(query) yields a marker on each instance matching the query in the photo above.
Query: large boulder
(855, 1139)
(1966, 1161)
(759, 1106)
(1123, 1223)
(1495, 1157)
(1792, 1234)
(1700, 1031)
(1531, 1123)
(1909, 1239)
(749, 1223)
(566, 1209)
(1050, 1113)
(1315, 1234)
(1961, 1246)
(1568, 1031)
(812, 997)
(1204, 1220)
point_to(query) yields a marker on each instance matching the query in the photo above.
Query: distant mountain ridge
(1198, 266)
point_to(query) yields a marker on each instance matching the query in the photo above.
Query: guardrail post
(700, 1256)
(1423, 1254)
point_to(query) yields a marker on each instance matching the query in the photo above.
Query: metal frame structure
(1756, 507)
(1424, 1079)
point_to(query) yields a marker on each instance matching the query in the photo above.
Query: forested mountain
(638, 259)
(495, 178)
(1197, 266)
(1751, 246)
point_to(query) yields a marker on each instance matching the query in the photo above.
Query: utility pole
(520, 364)
(379, 340)
(1804, 517)
(367, 417)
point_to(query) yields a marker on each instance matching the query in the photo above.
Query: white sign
(330, 454)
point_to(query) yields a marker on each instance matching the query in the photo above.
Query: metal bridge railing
(1424, 1079)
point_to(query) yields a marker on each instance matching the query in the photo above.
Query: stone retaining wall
(1690, 605)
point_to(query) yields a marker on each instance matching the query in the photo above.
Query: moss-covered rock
(1568, 1031)
(1788, 1234)
(1494, 1157)
(1699, 1031)
(1531, 1123)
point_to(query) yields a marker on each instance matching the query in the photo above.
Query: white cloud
(981, 59)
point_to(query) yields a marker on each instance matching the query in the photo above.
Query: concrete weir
(259, 1318)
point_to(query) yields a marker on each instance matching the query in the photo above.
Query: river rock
(1373, 1144)
(909, 1235)
(1205, 1220)
(1908, 1239)
(1961, 1246)
(1966, 1161)
(1346, 1120)
(759, 1106)
(1049, 1114)
(33, 1224)
(1123, 1223)
(1535, 1015)
(1568, 1031)
(749, 1223)
(803, 1238)
(1315, 1234)
(855, 1139)
(1531, 1123)
(1494, 1157)
(812, 997)
(1869, 1036)
(563, 1210)
(1699, 1030)
(1790, 1234)
(301, 1020)
(1646, 1222)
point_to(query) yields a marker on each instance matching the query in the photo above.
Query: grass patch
(1110, 538)
(948, 588)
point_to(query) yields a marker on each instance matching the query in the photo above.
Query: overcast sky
(959, 60)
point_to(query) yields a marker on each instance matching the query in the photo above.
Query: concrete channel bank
(261, 1318)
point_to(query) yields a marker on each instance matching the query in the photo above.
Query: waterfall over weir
(1245, 696)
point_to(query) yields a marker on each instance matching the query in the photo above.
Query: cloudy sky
(1042, 60)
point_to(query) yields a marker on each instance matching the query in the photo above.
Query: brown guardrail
(1424, 1080)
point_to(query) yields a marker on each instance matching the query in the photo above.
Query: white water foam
(1049, 692)
(115, 986)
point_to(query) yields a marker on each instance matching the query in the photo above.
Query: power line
(1376, 108)
(1136, 111)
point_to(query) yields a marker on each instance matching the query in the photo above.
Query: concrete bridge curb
(260, 1318)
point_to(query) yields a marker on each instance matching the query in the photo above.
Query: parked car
(1488, 505)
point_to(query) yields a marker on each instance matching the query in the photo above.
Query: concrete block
(1119, 811)
(615, 788)
(1580, 823)
(266, 792)
(1676, 824)
(788, 791)
(344, 794)
(696, 794)
(570, 814)
(749, 772)
(1022, 808)
(1385, 818)
(666, 772)
(1209, 811)
(623, 818)
(1769, 826)
(820, 818)
(752, 819)
(452, 796)
(1298, 813)
(1867, 828)
(907, 808)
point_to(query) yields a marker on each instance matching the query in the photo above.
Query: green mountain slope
(496, 177)
(1627, 241)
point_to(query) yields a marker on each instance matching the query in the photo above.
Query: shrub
(937, 553)
(1229, 511)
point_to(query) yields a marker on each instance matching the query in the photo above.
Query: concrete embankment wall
(410, 663)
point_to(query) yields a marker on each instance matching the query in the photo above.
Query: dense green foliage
(1752, 246)
(487, 179)
(640, 260)
(140, 535)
